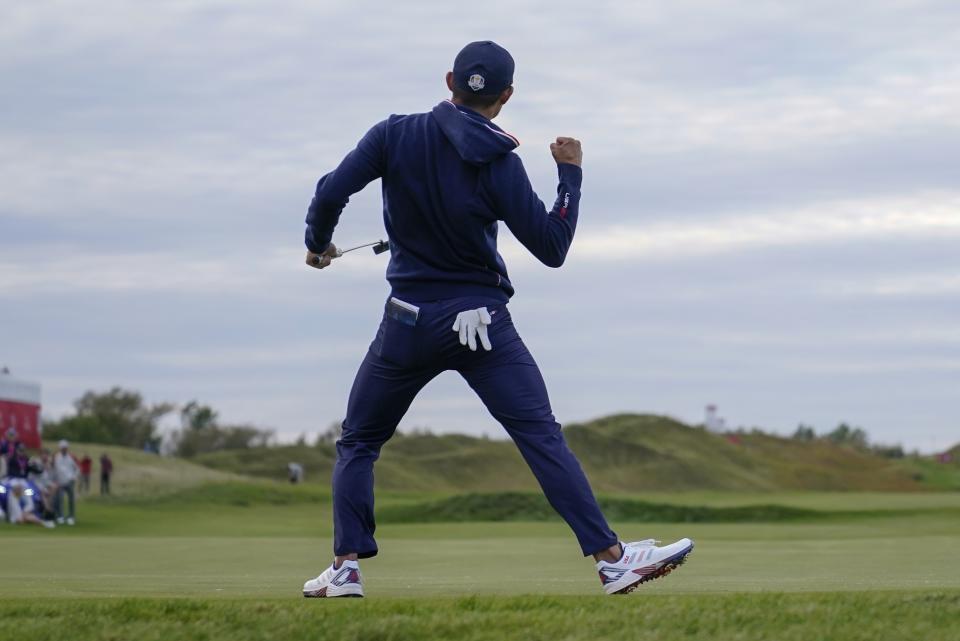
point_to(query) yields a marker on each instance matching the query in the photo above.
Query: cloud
(770, 212)
(830, 223)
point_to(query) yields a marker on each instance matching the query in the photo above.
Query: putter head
(382, 246)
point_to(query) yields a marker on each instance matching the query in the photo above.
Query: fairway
(193, 569)
(417, 560)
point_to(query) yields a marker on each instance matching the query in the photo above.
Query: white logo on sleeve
(476, 82)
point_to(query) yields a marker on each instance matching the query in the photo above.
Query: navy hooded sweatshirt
(448, 176)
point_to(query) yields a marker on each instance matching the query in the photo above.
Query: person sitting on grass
(21, 508)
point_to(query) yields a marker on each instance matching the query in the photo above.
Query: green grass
(208, 501)
(519, 506)
(877, 616)
(829, 501)
(226, 561)
(255, 539)
(523, 506)
(138, 473)
(276, 552)
(933, 474)
(471, 551)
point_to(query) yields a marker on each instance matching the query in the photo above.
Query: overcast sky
(770, 217)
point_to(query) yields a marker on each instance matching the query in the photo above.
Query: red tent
(20, 408)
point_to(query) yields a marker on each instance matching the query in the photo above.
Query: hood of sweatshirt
(476, 139)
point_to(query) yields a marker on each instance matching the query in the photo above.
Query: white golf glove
(473, 323)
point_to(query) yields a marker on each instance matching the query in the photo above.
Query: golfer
(448, 177)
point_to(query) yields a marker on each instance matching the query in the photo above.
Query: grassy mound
(137, 473)
(245, 493)
(624, 453)
(448, 462)
(621, 454)
(631, 452)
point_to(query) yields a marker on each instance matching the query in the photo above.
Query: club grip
(316, 259)
(378, 248)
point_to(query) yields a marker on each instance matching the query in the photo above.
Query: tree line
(122, 417)
(844, 434)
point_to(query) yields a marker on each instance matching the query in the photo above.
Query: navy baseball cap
(483, 68)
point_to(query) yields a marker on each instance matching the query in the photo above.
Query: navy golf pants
(401, 360)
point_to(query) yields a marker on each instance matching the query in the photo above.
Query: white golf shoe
(642, 561)
(336, 582)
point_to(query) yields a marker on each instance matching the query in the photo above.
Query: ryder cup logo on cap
(475, 82)
(484, 68)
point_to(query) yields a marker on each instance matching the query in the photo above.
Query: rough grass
(517, 506)
(876, 616)
(621, 454)
(242, 493)
(138, 473)
(933, 474)
(624, 453)
(525, 506)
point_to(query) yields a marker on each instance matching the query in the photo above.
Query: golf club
(379, 247)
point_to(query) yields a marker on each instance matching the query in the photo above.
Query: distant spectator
(86, 466)
(295, 472)
(6, 443)
(20, 506)
(65, 473)
(106, 470)
(17, 462)
(41, 475)
(7, 446)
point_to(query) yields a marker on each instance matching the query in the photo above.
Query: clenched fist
(567, 150)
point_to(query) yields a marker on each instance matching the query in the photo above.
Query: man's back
(448, 176)
(441, 222)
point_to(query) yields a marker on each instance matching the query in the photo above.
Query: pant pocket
(396, 342)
